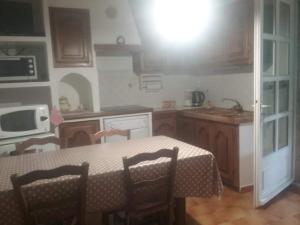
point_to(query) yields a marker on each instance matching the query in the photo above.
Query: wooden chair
(149, 197)
(32, 212)
(22, 148)
(95, 138)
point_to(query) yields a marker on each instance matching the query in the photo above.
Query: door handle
(263, 106)
(43, 118)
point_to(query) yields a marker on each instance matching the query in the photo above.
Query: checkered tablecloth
(197, 174)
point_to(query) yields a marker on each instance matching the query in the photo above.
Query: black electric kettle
(198, 98)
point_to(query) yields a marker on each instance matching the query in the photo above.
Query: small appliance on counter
(198, 98)
(188, 98)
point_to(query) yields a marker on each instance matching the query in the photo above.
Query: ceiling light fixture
(181, 21)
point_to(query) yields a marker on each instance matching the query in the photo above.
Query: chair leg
(170, 214)
(162, 218)
(128, 220)
(105, 218)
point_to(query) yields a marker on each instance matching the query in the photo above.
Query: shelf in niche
(25, 84)
(23, 39)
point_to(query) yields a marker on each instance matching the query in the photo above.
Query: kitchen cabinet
(203, 137)
(228, 42)
(149, 61)
(164, 123)
(186, 130)
(232, 40)
(74, 134)
(71, 37)
(224, 147)
(219, 138)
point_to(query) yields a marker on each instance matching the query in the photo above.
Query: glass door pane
(269, 98)
(284, 89)
(283, 57)
(284, 19)
(269, 14)
(268, 57)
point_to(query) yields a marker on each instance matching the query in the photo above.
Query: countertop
(177, 108)
(108, 111)
(240, 118)
(229, 117)
(192, 112)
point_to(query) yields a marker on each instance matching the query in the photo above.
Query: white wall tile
(120, 86)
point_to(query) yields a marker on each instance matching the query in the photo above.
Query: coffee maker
(198, 98)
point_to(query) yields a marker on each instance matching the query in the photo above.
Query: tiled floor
(237, 209)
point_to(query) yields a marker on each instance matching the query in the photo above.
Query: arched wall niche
(78, 90)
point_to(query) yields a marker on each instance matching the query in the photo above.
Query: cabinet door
(151, 61)
(203, 138)
(224, 141)
(232, 37)
(77, 133)
(71, 37)
(164, 124)
(186, 130)
(239, 33)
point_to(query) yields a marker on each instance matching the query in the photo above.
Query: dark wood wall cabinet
(75, 134)
(227, 45)
(164, 123)
(232, 42)
(71, 37)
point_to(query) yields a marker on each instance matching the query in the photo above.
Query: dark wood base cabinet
(164, 123)
(75, 134)
(218, 138)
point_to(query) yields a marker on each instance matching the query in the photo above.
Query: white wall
(120, 86)
(236, 86)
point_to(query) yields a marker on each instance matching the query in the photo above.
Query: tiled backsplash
(119, 85)
(236, 86)
(123, 88)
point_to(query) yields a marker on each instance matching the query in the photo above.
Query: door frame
(258, 52)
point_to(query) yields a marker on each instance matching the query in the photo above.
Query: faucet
(237, 107)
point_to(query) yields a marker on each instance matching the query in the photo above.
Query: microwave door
(19, 123)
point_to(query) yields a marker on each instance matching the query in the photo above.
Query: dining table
(197, 174)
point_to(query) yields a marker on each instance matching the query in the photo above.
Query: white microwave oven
(23, 121)
(18, 68)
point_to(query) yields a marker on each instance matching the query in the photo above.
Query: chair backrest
(76, 199)
(95, 138)
(21, 147)
(154, 191)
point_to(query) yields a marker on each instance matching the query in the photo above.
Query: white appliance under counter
(140, 126)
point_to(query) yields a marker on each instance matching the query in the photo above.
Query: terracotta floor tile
(237, 209)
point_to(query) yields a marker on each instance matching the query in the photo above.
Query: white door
(274, 85)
